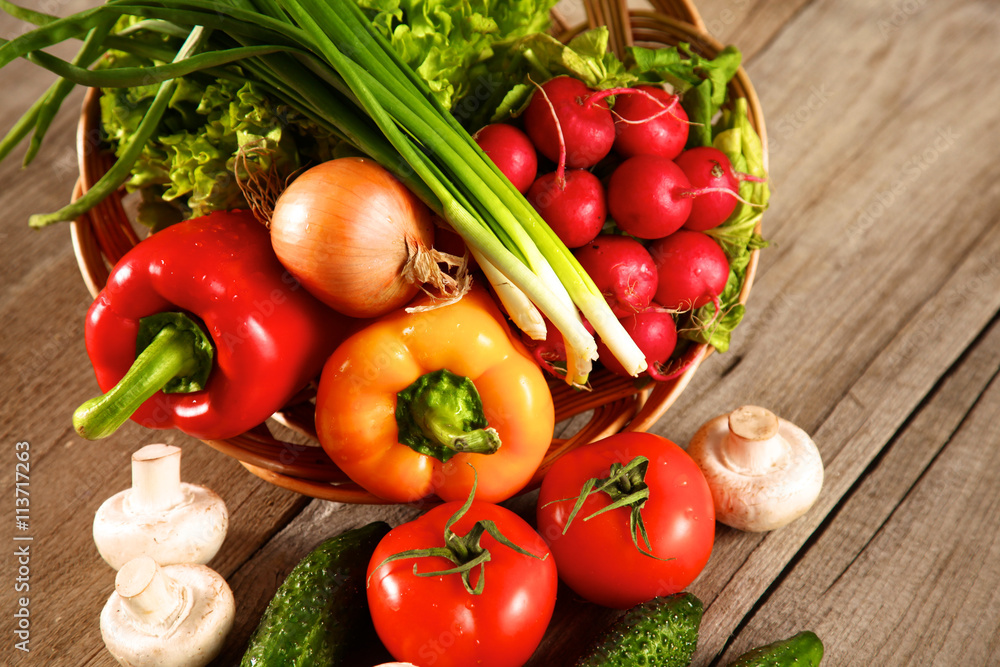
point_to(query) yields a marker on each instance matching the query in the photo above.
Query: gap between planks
(855, 429)
(873, 501)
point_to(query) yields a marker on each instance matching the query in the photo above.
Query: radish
(654, 331)
(565, 128)
(692, 268)
(575, 209)
(511, 151)
(649, 196)
(649, 120)
(622, 269)
(715, 186)
(550, 354)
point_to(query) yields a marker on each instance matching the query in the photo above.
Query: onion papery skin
(346, 230)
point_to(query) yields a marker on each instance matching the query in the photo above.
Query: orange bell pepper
(407, 403)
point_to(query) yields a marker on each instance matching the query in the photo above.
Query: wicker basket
(615, 404)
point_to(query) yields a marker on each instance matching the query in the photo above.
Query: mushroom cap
(191, 532)
(765, 491)
(192, 638)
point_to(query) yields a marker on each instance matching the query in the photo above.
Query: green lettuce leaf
(191, 166)
(700, 81)
(536, 58)
(447, 42)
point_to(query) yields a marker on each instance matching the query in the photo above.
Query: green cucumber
(320, 609)
(660, 633)
(802, 650)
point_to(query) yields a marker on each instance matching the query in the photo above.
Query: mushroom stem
(159, 515)
(755, 446)
(150, 596)
(156, 478)
(167, 616)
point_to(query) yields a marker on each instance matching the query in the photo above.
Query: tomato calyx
(465, 551)
(626, 486)
(441, 414)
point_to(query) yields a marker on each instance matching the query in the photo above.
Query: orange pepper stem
(441, 414)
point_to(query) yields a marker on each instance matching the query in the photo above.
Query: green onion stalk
(324, 59)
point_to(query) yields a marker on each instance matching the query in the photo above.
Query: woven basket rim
(616, 404)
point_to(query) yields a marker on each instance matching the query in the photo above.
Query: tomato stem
(626, 486)
(465, 551)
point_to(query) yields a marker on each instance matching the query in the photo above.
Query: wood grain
(899, 566)
(44, 375)
(872, 324)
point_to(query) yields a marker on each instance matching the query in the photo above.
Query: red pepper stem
(171, 354)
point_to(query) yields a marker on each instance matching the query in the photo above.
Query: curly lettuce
(450, 43)
(213, 131)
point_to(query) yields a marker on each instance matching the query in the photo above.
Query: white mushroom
(170, 616)
(160, 516)
(764, 471)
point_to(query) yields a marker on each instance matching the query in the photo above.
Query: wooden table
(872, 324)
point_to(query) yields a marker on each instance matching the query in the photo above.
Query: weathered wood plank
(855, 382)
(898, 575)
(859, 308)
(749, 24)
(44, 375)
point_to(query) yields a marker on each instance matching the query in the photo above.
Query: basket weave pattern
(104, 234)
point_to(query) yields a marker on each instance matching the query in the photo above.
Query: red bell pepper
(200, 328)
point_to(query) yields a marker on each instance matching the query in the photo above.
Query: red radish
(654, 331)
(622, 269)
(715, 186)
(648, 196)
(651, 123)
(448, 242)
(576, 210)
(511, 151)
(692, 269)
(564, 128)
(550, 353)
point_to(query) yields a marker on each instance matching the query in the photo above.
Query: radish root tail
(561, 166)
(669, 371)
(704, 191)
(664, 108)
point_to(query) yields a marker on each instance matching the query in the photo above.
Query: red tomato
(597, 557)
(435, 620)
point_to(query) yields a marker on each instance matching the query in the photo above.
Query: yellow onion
(355, 237)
